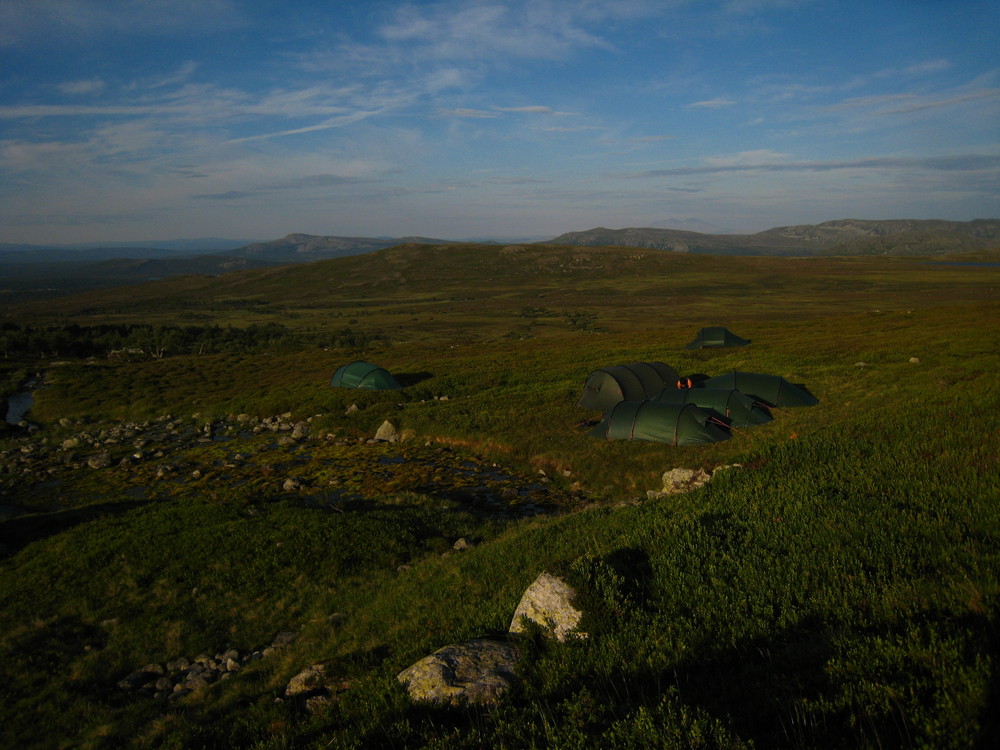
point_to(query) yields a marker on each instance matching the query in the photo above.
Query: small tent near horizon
(737, 408)
(716, 337)
(636, 381)
(771, 390)
(364, 375)
(653, 421)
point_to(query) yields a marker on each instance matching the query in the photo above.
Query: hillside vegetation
(837, 586)
(840, 237)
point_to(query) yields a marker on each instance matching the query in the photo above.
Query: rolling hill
(840, 237)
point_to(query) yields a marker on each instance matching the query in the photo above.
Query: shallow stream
(19, 404)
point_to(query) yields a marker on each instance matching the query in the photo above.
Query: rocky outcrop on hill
(483, 670)
(171, 681)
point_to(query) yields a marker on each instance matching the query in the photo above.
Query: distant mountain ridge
(299, 248)
(839, 237)
(30, 270)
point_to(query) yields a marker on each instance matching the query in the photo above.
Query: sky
(127, 120)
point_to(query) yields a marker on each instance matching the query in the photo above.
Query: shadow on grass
(407, 379)
(20, 531)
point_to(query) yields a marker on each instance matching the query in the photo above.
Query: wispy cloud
(535, 110)
(717, 103)
(229, 195)
(956, 163)
(82, 88)
(474, 114)
(897, 104)
(28, 21)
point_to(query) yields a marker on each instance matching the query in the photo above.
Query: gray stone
(300, 430)
(681, 480)
(284, 638)
(548, 602)
(479, 671)
(310, 679)
(99, 461)
(387, 432)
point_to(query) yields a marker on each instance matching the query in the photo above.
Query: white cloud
(747, 158)
(534, 110)
(717, 103)
(465, 112)
(82, 88)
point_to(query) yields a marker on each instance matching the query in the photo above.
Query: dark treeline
(139, 341)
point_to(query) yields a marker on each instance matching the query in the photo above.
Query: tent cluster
(650, 401)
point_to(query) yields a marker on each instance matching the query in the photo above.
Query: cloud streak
(958, 163)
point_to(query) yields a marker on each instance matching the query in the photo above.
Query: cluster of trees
(138, 341)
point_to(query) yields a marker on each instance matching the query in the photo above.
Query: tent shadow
(406, 379)
(805, 390)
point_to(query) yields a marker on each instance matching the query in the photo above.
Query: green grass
(840, 588)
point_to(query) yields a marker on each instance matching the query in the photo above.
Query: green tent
(632, 382)
(365, 375)
(771, 390)
(735, 407)
(716, 337)
(683, 424)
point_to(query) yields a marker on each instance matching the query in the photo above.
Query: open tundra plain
(203, 544)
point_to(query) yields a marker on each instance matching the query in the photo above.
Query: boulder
(309, 680)
(387, 432)
(99, 461)
(548, 602)
(680, 480)
(479, 671)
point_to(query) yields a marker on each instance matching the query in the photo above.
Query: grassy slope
(840, 590)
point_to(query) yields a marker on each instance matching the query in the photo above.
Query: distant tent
(737, 408)
(772, 390)
(716, 337)
(365, 375)
(637, 381)
(683, 424)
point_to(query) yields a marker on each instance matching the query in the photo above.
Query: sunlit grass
(839, 588)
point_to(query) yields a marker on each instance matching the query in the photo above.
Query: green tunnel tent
(360, 374)
(636, 381)
(771, 390)
(716, 337)
(735, 407)
(654, 421)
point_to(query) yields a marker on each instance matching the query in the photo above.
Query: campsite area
(188, 484)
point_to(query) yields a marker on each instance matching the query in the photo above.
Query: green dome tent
(632, 382)
(365, 375)
(737, 408)
(653, 421)
(772, 390)
(716, 337)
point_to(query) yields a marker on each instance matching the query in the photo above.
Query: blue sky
(158, 119)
